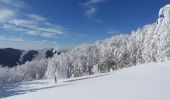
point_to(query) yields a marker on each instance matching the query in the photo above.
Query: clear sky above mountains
(37, 24)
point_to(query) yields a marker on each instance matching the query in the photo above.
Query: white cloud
(12, 18)
(112, 31)
(12, 39)
(36, 17)
(32, 32)
(34, 45)
(13, 3)
(20, 43)
(91, 7)
(47, 34)
(19, 22)
(91, 11)
(5, 15)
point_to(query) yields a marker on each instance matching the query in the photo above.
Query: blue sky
(38, 24)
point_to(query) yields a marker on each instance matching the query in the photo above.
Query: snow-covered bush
(26, 72)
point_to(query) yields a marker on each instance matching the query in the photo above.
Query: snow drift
(148, 44)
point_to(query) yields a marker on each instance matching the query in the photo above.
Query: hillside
(11, 57)
(142, 82)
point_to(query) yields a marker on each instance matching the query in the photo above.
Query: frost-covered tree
(58, 61)
(77, 62)
(29, 71)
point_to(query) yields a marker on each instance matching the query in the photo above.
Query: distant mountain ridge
(11, 57)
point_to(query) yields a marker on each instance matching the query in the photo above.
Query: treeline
(26, 72)
(148, 44)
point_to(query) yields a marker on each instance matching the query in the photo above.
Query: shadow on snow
(18, 89)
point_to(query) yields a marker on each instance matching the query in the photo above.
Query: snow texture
(142, 82)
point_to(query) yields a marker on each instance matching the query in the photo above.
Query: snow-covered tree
(26, 72)
(150, 43)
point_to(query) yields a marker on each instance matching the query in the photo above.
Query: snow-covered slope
(142, 82)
